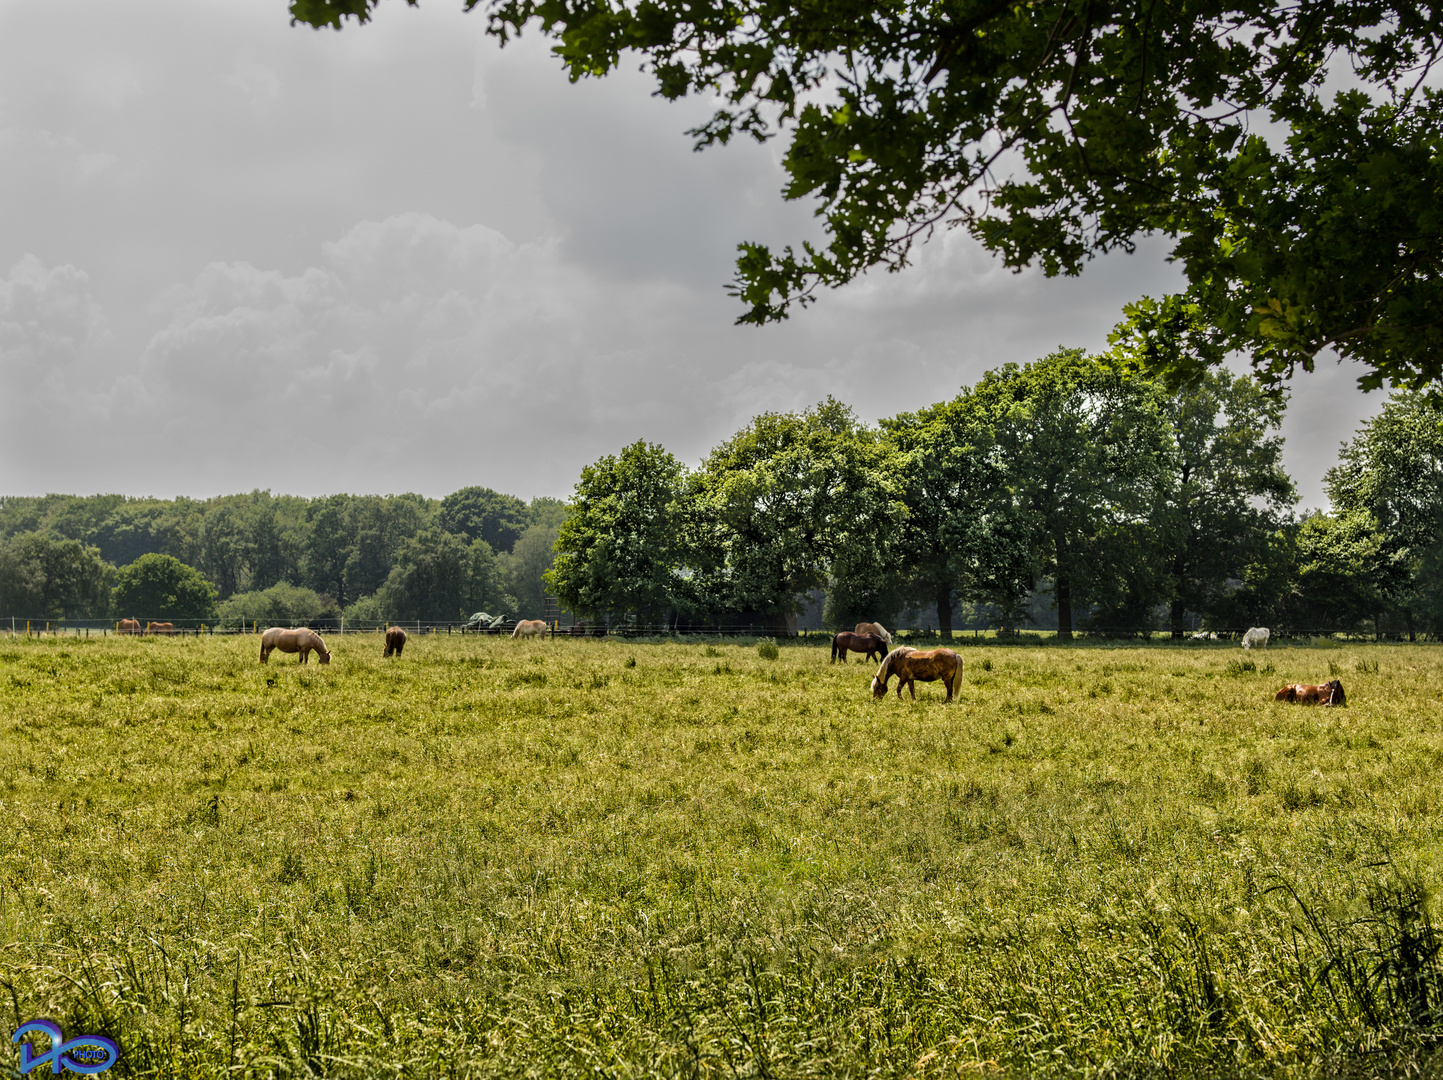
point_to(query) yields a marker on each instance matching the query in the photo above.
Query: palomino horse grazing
(168, 629)
(847, 641)
(530, 628)
(1328, 693)
(128, 626)
(873, 628)
(395, 641)
(302, 640)
(909, 664)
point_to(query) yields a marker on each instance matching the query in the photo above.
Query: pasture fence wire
(20, 627)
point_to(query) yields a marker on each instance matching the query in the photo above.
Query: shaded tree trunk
(1176, 614)
(944, 612)
(1064, 609)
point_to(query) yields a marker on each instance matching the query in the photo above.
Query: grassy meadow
(608, 858)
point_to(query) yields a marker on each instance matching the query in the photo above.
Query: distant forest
(275, 558)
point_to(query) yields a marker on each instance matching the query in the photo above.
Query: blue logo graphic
(83, 1054)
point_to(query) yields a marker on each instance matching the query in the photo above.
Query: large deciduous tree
(1348, 574)
(962, 534)
(162, 587)
(1392, 472)
(1056, 130)
(1223, 489)
(1081, 446)
(623, 549)
(802, 501)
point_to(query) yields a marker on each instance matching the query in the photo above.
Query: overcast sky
(239, 254)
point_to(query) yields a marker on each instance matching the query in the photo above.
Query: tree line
(1125, 505)
(1129, 505)
(275, 558)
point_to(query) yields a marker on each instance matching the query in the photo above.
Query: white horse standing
(1256, 638)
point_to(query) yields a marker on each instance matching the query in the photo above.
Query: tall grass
(618, 858)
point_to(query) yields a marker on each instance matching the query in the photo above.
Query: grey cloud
(255, 255)
(47, 319)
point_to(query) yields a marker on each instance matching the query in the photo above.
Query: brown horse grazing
(128, 626)
(168, 629)
(909, 664)
(1328, 693)
(302, 640)
(847, 641)
(395, 641)
(873, 628)
(530, 628)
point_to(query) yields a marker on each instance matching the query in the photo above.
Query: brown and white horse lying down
(302, 640)
(1328, 693)
(395, 641)
(908, 664)
(847, 641)
(530, 628)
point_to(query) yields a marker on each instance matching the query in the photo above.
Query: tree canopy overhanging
(1056, 130)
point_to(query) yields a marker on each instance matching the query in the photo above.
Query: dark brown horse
(128, 626)
(873, 628)
(1328, 693)
(395, 641)
(300, 641)
(168, 629)
(909, 664)
(847, 641)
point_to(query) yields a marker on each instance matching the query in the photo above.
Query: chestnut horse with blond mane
(910, 664)
(128, 626)
(530, 628)
(301, 640)
(168, 629)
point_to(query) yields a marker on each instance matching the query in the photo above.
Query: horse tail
(834, 647)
